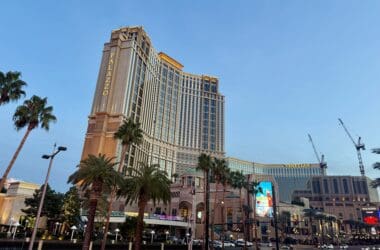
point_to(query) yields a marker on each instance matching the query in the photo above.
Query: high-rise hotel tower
(181, 114)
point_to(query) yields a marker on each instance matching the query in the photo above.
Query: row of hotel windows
(359, 187)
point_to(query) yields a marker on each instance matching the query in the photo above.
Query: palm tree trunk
(223, 224)
(243, 220)
(207, 210)
(112, 197)
(5, 175)
(213, 212)
(106, 226)
(254, 220)
(140, 223)
(90, 223)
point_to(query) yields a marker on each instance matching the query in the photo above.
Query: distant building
(12, 202)
(289, 177)
(343, 196)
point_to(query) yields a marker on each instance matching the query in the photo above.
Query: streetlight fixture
(15, 229)
(152, 232)
(117, 230)
(73, 228)
(166, 234)
(56, 228)
(51, 157)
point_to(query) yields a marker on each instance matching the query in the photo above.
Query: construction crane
(321, 160)
(358, 146)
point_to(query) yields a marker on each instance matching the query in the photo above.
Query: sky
(286, 68)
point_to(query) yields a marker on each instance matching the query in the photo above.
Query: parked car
(228, 243)
(344, 246)
(240, 243)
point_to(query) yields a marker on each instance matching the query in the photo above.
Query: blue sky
(287, 68)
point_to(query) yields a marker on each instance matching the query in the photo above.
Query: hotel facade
(289, 177)
(181, 114)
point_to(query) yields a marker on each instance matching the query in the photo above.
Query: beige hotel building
(181, 114)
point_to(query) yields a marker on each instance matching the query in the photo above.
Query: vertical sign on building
(264, 200)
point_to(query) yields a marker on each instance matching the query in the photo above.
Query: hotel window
(326, 186)
(336, 189)
(345, 186)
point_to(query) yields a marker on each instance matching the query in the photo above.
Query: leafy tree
(11, 87)
(128, 133)
(31, 114)
(205, 165)
(71, 206)
(376, 183)
(96, 173)
(52, 204)
(148, 182)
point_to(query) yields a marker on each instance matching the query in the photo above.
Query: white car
(229, 244)
(240, 243)
(344, 246)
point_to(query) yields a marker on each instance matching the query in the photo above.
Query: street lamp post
(152, 232)
(9, 233)
(56, 228)
(166, 234)
(73, 228)
(15, 229)
(117, 230)
(51, 157)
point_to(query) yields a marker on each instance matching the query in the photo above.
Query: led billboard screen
(370, 215)
(264, 200)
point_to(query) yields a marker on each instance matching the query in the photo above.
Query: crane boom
(347, 132)
(315, 150)
(358, 146)
(321, 160)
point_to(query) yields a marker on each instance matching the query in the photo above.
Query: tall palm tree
(205, 165)
(148, 182)
(238, 181)
(11, 87)
(254, 188)
(31, 114)
(98, 174)
(376, 183)
(128, 133)
(218, 170)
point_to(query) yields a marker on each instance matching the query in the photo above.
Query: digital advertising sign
(370, 215)
(264, 200)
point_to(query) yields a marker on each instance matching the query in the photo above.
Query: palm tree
(376, 183)
(11, 87)
(143, 184)
(238, 181)
(31, 114)
(128, 133)
(254, 188)
(98, 174)
(205, 165)
(218, 171)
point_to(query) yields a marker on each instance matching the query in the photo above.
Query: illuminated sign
(107, 82)
(370, 215)
(303, 165)
(264, 200)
